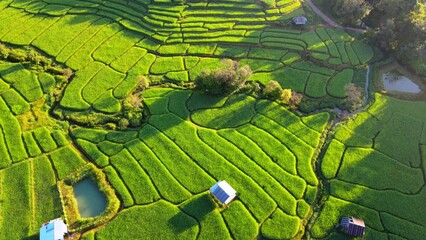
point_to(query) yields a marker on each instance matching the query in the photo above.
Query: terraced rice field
(109, 43)
(375, 168)
(372, 167)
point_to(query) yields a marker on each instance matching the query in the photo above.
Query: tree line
(399, 26)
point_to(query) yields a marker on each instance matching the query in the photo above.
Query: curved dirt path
(329, 21)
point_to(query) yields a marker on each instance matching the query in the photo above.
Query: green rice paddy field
(295, 174)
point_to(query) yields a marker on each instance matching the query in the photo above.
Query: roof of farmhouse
(353, 226)
(53, 230)
(300, 20)
(223, 192)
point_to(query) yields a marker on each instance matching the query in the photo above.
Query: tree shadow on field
(366, 173)
(197, 207)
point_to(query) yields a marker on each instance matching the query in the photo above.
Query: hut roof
(353, 226)
(53, 230)
(223, 192)
(300, 20)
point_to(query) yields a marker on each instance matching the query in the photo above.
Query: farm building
(300, 20)
(53, 230)
(223, 192)
(352, 226)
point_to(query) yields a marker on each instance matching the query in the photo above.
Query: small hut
(223, 192)
(300, 20)
(53, 230)
(352, 226)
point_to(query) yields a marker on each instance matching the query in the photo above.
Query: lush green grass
(224, 116)
(169, 188)
(160, 220)
(203, 208)
(16, 202)
(46, 197)
(66, 161)
(379, 177)
(266, 152)
(44, 139)
(280, 226)
(134, 177)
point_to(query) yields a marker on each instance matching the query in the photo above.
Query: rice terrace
(210, 119)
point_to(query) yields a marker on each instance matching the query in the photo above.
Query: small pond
(91, 202)
(395, 81)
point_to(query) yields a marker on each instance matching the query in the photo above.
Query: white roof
(53, 230)
(223, 192)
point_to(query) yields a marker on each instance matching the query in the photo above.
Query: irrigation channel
(341, 115)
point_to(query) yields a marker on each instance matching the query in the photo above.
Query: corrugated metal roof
(300, 20)
(54, 230)
(353, 226)
(223, 192)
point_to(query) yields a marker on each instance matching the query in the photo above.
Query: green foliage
(223, 81)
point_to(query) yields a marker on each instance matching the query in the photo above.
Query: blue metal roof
(223, 192)
(53, 230)
(47, 231)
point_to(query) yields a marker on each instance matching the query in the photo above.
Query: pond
(91, 202)
(395, 81)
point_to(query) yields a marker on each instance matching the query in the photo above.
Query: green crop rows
(274, 179)
(172, 41)
(375, 171)
(290, 184)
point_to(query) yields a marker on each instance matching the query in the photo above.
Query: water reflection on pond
(91, 202)
(395, 81)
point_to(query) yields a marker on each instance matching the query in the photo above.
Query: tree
(272, 90)
(225, 80)
(351, 11)
(354, 94)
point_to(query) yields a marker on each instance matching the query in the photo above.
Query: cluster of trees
(400, 26)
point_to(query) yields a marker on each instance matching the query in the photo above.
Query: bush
(4, 51)
(295, 99)
(225, 80)
(354, 94)
(67, 73)
(123, 123)
(17, 55)
(272, 90)
(143, 82)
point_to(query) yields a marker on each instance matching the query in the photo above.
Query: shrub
(272, 90)
(225, 80)
(354, 94)
(17, 55)
(143, 82)
(295, 99)
(67, 73)
(123, 123)
(4, 51)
